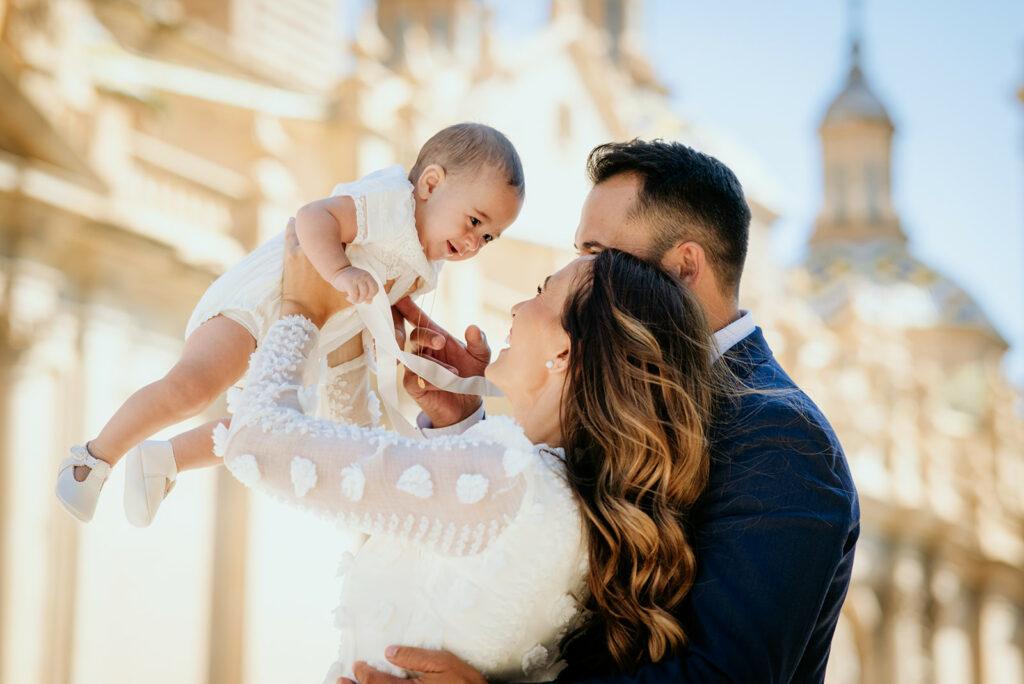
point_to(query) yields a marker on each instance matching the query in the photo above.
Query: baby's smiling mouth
(451, 248)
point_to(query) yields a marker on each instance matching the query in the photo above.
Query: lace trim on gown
(346, 394)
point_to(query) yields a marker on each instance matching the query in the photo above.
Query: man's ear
(429, 179)
(687, 261)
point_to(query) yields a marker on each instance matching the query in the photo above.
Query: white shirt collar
(731, 335)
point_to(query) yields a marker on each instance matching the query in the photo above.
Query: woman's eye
(488, 237)
(474, 221)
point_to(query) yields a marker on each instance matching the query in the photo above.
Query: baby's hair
(468, 147)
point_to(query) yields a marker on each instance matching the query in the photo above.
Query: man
(776, 528)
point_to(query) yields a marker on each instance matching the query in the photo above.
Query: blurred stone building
(908, 369)
(146, 145)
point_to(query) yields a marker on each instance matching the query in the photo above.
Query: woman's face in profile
(536, 338)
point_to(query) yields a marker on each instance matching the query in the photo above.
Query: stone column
(909, 660)
(1002, 639)
(952, 648)
(227, 603)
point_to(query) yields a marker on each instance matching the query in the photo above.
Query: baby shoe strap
(80, 456)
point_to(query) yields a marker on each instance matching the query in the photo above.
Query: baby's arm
(324, 227)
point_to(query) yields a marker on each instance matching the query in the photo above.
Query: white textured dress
(386, 244)
(476, 543)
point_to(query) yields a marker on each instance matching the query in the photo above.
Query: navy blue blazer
(774, 537)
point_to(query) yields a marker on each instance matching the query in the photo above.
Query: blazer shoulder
(774, 432)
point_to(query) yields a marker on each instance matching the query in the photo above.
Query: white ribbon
(377, 321)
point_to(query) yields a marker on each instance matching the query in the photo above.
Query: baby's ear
(429, 179)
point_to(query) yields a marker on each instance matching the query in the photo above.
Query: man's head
(673, 205)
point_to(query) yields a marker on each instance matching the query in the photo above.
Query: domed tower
(858, 259)
(908, 369)
(856, 138)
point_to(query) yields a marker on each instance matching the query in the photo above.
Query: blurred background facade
(146, 146)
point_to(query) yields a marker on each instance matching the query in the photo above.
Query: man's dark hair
(684, 195)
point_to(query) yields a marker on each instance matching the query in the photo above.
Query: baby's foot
(150, 472)
(79, 481)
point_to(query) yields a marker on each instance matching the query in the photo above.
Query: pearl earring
(549, 364)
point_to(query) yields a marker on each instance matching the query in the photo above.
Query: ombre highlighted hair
(639, 396)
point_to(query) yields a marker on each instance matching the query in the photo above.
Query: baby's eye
(474, 221)
(488, 237)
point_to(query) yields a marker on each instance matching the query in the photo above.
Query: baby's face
(459, 214)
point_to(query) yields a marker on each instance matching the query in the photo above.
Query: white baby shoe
(80, 498)
(149, 476)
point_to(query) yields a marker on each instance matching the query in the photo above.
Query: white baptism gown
(386, 245)
(475, 541)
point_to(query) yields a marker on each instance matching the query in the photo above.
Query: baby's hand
(357, 284)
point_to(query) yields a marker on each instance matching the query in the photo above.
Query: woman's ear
(429, 179)
(560, 363)
(687, 262)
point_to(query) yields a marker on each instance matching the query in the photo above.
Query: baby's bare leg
(194, 449)
(214, 357)
(346, 352)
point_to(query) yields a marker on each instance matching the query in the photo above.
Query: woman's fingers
(426, 338)
(415, 315)
(476, 343)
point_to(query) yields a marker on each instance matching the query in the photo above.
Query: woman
(501, 543)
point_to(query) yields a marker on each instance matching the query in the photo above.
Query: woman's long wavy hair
(638, 399)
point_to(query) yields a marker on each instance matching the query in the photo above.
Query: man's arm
(777, 526)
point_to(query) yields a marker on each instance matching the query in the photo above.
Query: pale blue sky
(947, 71)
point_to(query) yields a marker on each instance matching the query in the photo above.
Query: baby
(375, 240)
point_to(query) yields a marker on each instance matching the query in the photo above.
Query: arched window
(872, 191)
(839, 193)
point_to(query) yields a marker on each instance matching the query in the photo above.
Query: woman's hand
(432, 666)
(303, 291)
(465, 359)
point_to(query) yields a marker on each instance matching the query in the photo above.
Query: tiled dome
(884, 283)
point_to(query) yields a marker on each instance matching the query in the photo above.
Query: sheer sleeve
(452, 494)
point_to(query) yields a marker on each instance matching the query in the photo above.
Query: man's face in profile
(604, 219)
